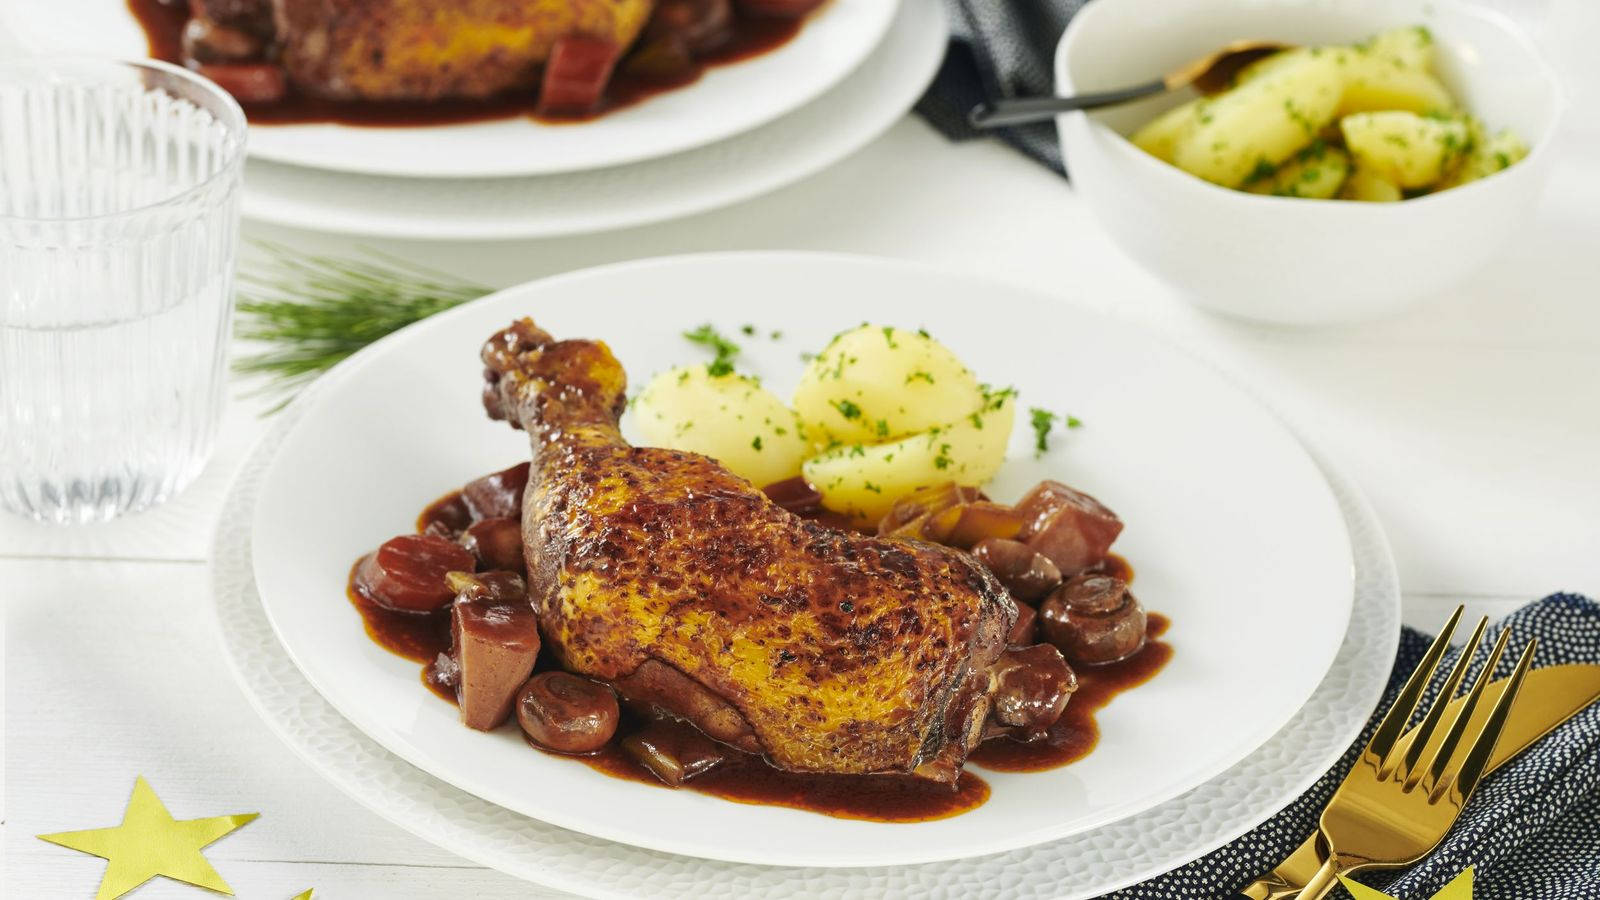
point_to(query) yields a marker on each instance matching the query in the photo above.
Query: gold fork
(1395, 806)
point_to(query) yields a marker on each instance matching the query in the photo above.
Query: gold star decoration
(1460, 888)
(149, 842)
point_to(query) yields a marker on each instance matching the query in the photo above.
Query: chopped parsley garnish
(883, 427)
(888, 335)
(1263, 170)
(847, 409)
(872, 487)
(942, 461)
(919, 375)
(755, 443)
(748, 330)
(1043, 420)
(993, 398)
(924, 333)
(776, 335)
(725, 350)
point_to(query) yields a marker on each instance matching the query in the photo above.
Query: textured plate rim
(925, 20)
(1375, 577)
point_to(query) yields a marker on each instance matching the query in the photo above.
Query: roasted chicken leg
(688, 590)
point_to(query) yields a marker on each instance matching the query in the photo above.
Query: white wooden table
(1473, 423)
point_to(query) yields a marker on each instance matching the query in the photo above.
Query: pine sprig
(313, 311)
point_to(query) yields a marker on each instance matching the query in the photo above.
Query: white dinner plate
(1083, 866)
(725, 101)
(766, 158)
(1232, 530)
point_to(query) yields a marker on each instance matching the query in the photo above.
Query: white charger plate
(726, 101)
(807, 140)
(1231, 528)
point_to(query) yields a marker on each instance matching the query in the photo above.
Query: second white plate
(1233, 531)
(727, 100)
(766, 158)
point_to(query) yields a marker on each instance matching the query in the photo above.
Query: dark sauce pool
(745, 778)
(163, 28)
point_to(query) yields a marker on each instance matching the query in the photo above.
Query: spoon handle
(1022, 110)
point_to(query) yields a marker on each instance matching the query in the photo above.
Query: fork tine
(1478, 757)
(1389, 730)
(1452, 738)
(1409, 770)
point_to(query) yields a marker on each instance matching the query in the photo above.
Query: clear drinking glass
(119, 221)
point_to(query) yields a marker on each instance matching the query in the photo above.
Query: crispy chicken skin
(670, 577)
(428, 49)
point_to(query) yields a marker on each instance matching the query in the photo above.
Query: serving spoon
(1208, 74)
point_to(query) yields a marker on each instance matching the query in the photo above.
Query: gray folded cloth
(999, 48)
(1532, 830)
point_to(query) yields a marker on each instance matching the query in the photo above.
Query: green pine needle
(313, 311)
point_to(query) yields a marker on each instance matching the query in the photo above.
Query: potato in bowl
(1366, 121)
(1281, 259)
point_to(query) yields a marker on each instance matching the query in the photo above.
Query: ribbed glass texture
(119, 193)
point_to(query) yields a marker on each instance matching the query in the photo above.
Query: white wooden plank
(114, 671)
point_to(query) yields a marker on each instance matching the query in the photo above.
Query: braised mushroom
(1032, 687)
(567, 713)
(1094, 619)
(1026, 574)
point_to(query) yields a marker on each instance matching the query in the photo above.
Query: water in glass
(119, 186)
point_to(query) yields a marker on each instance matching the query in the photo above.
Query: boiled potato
(878, 383)
(1161, 135)
(1262, 122)
(1271, 63)
(1400, 127)
(864, 481)
(730, 418)
(1316, 172)
(1409, 46)
(1408, 149)
(1487, 157)
(1365, 184)
(1373, 84)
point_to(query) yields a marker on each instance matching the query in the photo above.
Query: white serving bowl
(1286, 260)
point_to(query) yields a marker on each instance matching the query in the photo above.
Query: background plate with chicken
(727, 99)
(1234, 534)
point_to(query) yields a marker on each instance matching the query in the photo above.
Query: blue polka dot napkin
(999, 48)
(1531, 832)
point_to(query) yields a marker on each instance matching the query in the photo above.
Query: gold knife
(1549, 696)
